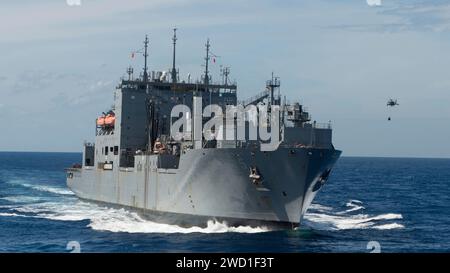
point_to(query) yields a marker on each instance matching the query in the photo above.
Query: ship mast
(206, 65)
(271, 90)
(207, 71)
(174, 71)
(226, 72)
(145, 57)
(130, 73)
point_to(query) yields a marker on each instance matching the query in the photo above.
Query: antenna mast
(130, 73)
(174, 71)
(273, 84)
(207, 62)
(226, 72)
(145, 57)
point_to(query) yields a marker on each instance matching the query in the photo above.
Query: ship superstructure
(137, 162)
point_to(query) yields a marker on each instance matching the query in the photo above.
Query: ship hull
(213, 184)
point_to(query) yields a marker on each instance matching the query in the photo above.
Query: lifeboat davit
(106, 120)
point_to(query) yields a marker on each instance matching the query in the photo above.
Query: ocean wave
(319, 207)
(21, 199)
(353, 205)
(390, 226)
(42, 188)
(55, 190)
(6, 214)
(133, 223)
(330, 219)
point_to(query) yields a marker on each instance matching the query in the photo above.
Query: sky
(60, 61)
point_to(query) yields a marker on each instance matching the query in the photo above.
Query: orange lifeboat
(106, 120)
(110, 120)
(101, 121)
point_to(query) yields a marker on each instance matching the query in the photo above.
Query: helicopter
(391, 103)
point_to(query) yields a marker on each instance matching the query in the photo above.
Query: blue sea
(391, 204)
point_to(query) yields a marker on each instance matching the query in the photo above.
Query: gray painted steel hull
(213, 184)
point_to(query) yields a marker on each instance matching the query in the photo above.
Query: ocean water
(394, 204)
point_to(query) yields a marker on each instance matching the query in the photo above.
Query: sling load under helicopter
(391, 103)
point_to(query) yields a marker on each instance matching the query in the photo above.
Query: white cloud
(47, 20)
(399, 16)
(424, 16)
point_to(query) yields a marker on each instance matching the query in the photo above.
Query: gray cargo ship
(136, 162)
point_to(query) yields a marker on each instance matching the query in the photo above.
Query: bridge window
(116, 150)
(106, 150)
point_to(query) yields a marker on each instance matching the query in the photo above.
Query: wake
(67, 207)
(116, 220)
(63, 205)
(326, 218)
